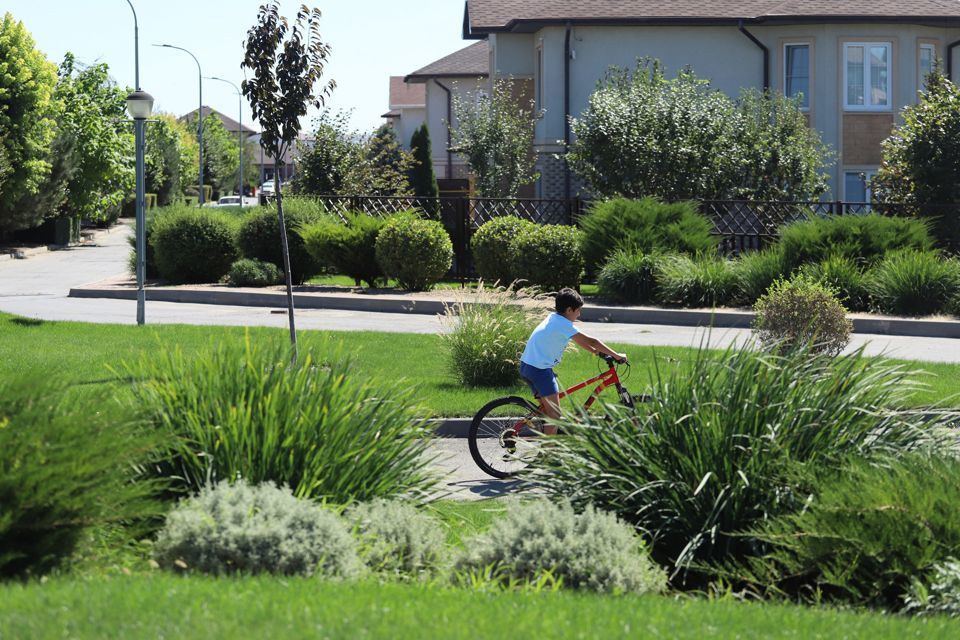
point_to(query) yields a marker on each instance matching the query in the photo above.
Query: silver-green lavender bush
(240, 528)
(397, 538)
(591, 550)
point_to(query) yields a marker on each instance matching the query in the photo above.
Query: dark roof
(469, 62)
(229, 123)
(403, 94)
(482, 17)
(393, 113)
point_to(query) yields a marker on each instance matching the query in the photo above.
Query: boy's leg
(551, 409)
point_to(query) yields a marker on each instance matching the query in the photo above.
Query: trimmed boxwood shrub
(194, 245)
(914, 283)
(863, 238)
(254, 273)
(704, 281)
(548, 256)
(802, 313)
(349, 247)
(260, 236)
(647, 225)
(414, 251)
(629, 277)
(492, 247)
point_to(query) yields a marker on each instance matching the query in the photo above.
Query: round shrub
(646, 225)
(193, 246)
(844, 276)
(548, 256)
(418, 253)
(259, 237)
(348, 246)
(254, 273)
(802, 313)
(914, 283)
(629, 277)
(591, 550)
(239, 528)
(492, 247)
(703, 281)
(862, 238)
(756, 271)
(397, 538)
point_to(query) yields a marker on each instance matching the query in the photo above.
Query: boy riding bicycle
(545, 348)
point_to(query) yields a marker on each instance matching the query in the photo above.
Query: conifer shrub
(802, 313)
(492, 248)
(398, 539)
(193, 245)
(416, 252)
(241, 529)
(347, 246)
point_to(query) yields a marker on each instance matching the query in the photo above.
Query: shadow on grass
(27, 322)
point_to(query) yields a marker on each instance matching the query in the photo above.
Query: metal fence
(741, 225)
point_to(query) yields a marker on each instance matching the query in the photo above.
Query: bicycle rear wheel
(505, 436)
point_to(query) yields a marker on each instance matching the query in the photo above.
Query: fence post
(462, 211)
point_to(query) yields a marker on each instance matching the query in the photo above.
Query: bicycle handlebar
(610, 360)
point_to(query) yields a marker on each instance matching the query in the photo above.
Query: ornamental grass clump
(485, 334)
(243, 411)
(801, 313)
(583, 549)
(242, 529)
(629, 277)
(756, 271)
(846, 277)
(713, 452)
(704, 281)
(914, 283)
(397, 539)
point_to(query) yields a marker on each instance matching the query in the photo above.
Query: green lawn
(86, 353)
(166, 606)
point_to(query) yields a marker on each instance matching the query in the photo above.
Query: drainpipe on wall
(766, 55)
(566, 112)
(950, 48)
(446, 90)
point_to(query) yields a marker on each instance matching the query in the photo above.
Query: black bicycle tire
(475, 427)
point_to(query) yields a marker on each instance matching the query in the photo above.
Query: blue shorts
(543, 382)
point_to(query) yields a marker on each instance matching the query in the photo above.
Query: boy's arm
(594, 345)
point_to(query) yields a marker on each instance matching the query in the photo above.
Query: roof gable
(470, 62)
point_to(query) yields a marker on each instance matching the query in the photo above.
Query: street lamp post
(199, 111)
(240, 132)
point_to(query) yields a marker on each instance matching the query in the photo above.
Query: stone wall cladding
(862, 135)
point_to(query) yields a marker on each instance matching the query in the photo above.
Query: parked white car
(268, 188)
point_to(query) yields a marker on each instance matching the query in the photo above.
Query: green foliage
(254, 273)
(862, 238)
(418, 253)
(938, 593)
(259, 236)
(27, 122)
(171, 158)
(349, 247)
(487, 335)
(397, 539)
(712, 453)
(757, 270)
(872, 528)
(590, 550)
(67, 465)
(802, 313)
(548, 256)
(423, 182)
(914, 283)
(646, 225)
(703, 281)
(629, 277)
(221, 156)
(242, 410)
(229, 529)
(495, 133)
(845, 278)
(492, 248)
(679, 139)
(921, 160)
(193, 245)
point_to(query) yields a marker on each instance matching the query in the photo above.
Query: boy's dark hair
(567, 298)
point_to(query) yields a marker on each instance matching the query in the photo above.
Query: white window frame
(921, 76)
(867, 106)
(807, 96)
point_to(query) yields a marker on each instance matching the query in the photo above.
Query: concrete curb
(451, 427)
(387, 303)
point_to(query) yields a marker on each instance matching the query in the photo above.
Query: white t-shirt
(547, 342)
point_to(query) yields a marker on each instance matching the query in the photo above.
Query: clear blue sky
(371, 40)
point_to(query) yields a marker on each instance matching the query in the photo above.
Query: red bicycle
(505, 434)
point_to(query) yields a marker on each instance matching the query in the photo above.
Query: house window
(928, 54)
(796, 73)
(856, 185)
(867, 76)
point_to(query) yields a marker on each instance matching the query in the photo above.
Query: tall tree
(287, 61)
(171, 159)
(221, 156)
(422, 178)
(28, 113)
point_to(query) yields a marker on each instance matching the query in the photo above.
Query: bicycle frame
(608, 378)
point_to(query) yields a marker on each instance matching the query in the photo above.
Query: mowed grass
(85, 353)
(166, 606)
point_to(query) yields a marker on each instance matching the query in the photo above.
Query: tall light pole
(139, 105)
(240, 132)
(199, 111)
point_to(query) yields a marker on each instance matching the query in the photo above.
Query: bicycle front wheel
(505, 436)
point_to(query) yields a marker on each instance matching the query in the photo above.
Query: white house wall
(437, 119)
(410, 120)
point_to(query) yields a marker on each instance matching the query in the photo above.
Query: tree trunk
(286, 268)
